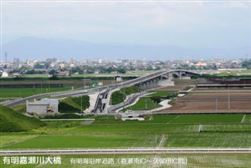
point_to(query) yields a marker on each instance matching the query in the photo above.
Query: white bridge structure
(102, 102)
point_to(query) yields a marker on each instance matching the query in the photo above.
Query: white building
(5, 74)
(42, 107)
(130, 116)
(119, 78)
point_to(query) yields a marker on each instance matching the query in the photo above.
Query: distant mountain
(38, 48)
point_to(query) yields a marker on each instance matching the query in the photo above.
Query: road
(100, 105)
(88, 91)
(127, 151)
(18, 101)
(129, 101)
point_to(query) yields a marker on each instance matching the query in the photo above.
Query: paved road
(100, 105)
(22, 100)
(87, 91)
(79, 92)
(127, 102)
(127, 151)
(18, 101)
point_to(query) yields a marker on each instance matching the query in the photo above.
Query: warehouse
(42, 107)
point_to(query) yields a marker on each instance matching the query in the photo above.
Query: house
(5, 74)
(118, 78)
(42, 107)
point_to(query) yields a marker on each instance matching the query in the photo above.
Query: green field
(24, 92)
(144, 103)
(244, 72)
(214, 130)
(152, 101)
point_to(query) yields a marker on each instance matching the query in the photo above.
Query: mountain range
(41, 48)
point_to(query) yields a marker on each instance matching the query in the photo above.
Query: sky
(185, 23)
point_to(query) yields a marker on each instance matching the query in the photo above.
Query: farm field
(213, 101)
(24, 92)
(243, 72)
(192, 160)
(207, 130)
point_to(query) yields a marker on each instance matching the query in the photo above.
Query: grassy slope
(11, 121)
(20, 108)
(73, 104)
(117, 97)
(120, 95)
(130, 90)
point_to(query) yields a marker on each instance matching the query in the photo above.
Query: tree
(246, 64)
(121, 70)
(53, 74)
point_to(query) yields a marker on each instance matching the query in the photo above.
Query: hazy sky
(198, 23)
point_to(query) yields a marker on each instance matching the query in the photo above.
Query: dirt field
(179, 84)
(213, 101)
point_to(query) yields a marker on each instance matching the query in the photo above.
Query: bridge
(101, 106)
(144, 83)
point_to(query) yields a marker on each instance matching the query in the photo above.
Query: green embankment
(152, 101)
(21, 108)
(120, 95)
(73, 104)
(11, 121)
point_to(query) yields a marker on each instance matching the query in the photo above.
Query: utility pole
(81, 104)
(49, 85)
(41, 87)
(229, 100)
(216, 105)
